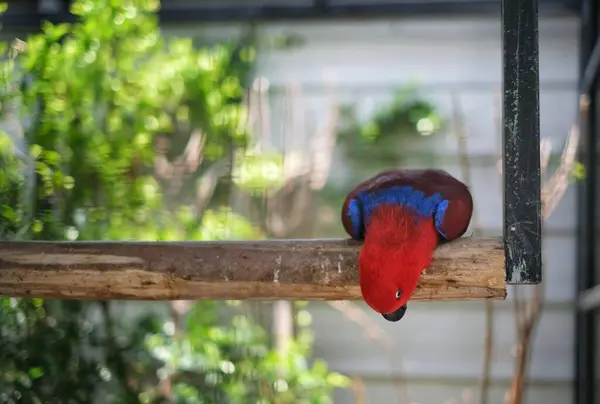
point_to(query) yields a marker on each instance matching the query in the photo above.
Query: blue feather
(407, 196)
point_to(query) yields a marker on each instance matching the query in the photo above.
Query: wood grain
(465, 269)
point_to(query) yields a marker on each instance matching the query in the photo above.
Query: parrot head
(399, 246)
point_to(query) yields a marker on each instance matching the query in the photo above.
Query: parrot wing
(431, 192)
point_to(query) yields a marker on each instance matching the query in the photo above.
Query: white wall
(439, 345)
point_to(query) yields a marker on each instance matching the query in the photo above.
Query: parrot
(402, 215)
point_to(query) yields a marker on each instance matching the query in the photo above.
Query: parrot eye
(398, 294)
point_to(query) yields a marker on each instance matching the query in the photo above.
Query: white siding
(443, 340)
(381, 391)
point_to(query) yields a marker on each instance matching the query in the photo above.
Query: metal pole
(585, 328)
(521, 142)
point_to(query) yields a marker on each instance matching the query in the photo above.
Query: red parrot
(402, 215)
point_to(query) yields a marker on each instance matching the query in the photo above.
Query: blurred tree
(392, 126)
(112, 132)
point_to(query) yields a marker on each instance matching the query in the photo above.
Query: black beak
(395, 315)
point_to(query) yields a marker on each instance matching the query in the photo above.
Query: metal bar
(590, 74)
(521, 142)
(198, 12)
(585, 328)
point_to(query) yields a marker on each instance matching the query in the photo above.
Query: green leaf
(37, 226)
(55, 32)
(35, 150)
(36, 373)
(68, 182)
(579, 171)
(8, 213)
(337, 380)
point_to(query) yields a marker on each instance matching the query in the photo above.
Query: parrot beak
(395, 315)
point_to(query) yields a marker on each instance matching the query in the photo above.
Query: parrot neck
(399, 235)
(399, 226)
(398, 247)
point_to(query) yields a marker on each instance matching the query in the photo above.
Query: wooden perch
(464, 269)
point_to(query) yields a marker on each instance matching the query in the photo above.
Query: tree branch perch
(465, 269)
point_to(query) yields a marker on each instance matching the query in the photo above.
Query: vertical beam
(521, 142)
(590, 73)
(585, 327)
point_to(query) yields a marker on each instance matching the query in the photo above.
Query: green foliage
(99, 95)
(234, 364)
(11, 186)
(43, 352)
(382, 135)
(224, 224)
(258, 172)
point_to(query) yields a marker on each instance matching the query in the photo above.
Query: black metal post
(585, 328)
(590, 72)
(521, 142)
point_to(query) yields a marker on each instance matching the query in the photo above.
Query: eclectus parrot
(402, 215)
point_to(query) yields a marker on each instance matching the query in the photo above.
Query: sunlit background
(121, 128)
